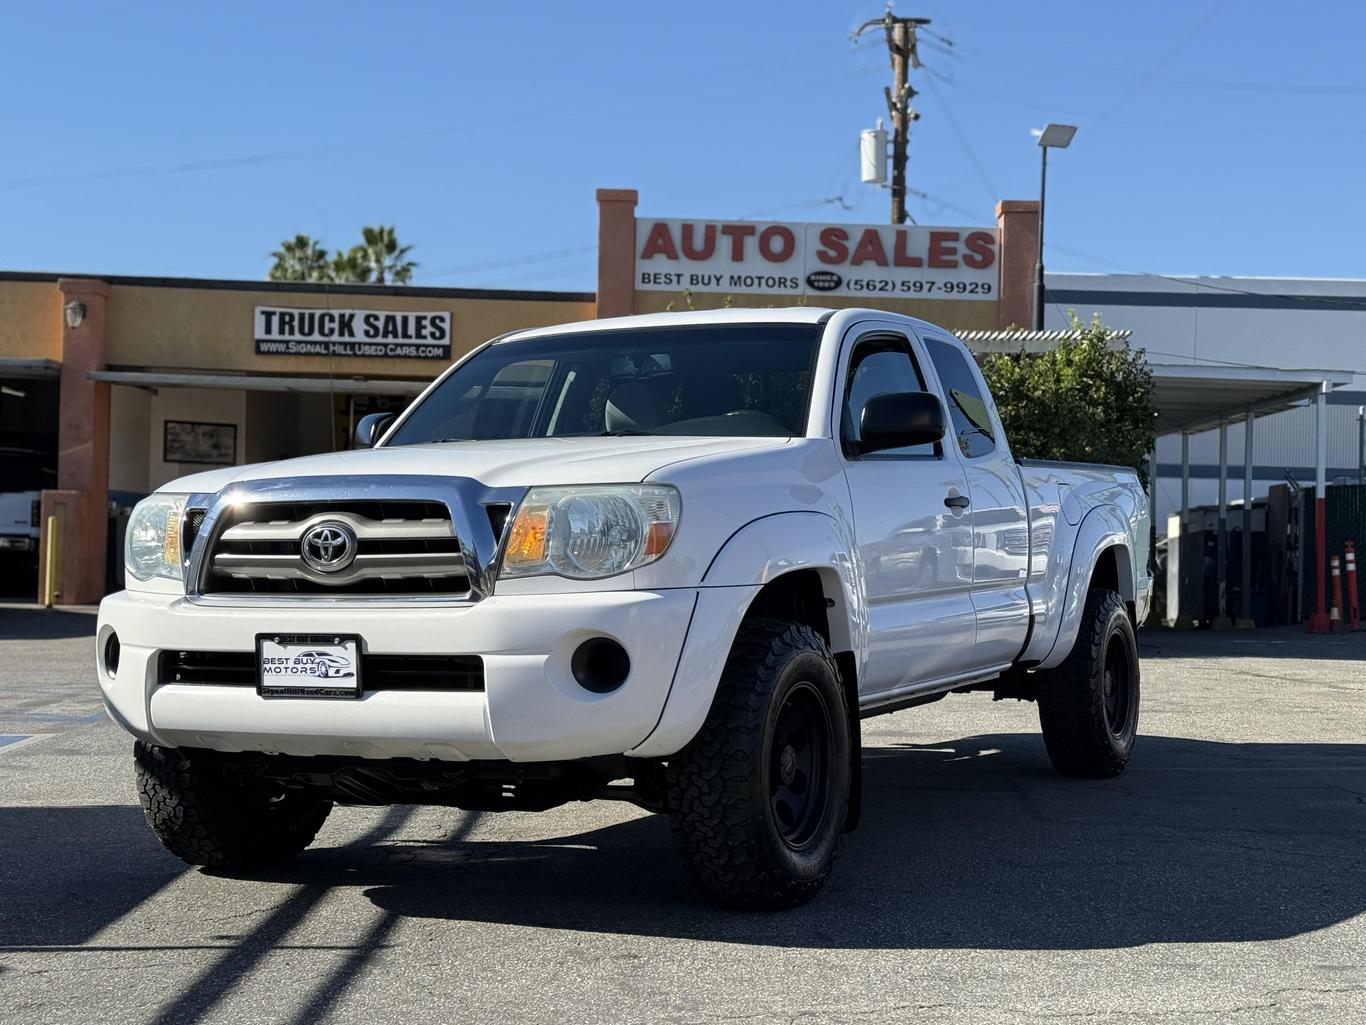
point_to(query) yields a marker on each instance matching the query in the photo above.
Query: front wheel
(205, 816)
(758, 799)
(1088, 706)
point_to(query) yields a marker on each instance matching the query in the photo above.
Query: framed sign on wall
(208, 443)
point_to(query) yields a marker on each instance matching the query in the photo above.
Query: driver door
(913, 532)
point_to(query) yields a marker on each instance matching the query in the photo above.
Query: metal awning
(262, 382)
(1017, 340)
(1196, 397)
(19, 366)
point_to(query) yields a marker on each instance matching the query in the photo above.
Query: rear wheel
(207, 817)
(758, 800)
(1088, 706)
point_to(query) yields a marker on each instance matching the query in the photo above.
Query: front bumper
(531, 709)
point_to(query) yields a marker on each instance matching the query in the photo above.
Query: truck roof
(783, 315)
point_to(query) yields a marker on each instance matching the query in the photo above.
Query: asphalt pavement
(1222, 878)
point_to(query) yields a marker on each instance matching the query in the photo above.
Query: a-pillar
(80, 500)
(1319, 623)
(616, 251)
(1018, 221)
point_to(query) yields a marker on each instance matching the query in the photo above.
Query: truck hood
(521, 462)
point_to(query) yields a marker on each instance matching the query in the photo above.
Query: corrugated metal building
(1279, 323)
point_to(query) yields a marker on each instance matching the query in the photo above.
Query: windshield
(742, 380)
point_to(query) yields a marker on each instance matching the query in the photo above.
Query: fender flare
(759, 552)
(1102, 528)
(771, 546)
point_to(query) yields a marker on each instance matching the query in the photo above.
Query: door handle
(958, 501)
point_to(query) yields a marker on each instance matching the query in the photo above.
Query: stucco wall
(211, 329)
(30, 320)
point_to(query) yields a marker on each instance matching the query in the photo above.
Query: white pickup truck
(669, 559)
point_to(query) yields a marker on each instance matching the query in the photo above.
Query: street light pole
(1051, 137)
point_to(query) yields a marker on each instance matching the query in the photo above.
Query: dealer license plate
(308, 665)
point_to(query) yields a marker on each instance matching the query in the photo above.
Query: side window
(971, 419)
(876, 367)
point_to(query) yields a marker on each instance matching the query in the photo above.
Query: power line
(1203, 283)
(570, 112)
(1001, 60)
(512, 261)
(958, 132)
(1181, 43)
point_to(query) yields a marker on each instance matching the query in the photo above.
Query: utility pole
(901, 45)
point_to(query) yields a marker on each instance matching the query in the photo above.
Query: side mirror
(899, 419)
(370, 429)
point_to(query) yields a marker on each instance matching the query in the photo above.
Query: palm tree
(351, 267)
(385, 259)
(300, 259)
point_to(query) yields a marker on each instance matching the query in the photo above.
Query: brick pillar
(1018, 220)
(82, 449)
(616, 251)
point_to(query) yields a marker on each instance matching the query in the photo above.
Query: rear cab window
(968, 410)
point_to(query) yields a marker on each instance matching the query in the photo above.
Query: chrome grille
(401, 548)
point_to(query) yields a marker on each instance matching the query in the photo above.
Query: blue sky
(189, 139)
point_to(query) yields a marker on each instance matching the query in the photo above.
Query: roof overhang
(262, 382)
(1191, 397)
(17, 366)
(1017, 341)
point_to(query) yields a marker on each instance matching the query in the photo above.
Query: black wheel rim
(1118, 686)
(799, 765)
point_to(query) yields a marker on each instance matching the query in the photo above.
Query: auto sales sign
(755, 257)
(391, 334)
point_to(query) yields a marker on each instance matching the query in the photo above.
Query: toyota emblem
(328, 547)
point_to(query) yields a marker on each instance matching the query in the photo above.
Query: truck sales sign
(390, 334)
(755, 257)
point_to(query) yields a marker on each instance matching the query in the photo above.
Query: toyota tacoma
(670, 559)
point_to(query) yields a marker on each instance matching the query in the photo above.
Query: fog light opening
(600, 665)
(111, 654)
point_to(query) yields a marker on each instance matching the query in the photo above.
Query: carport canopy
(262, 382)
(1193, 398)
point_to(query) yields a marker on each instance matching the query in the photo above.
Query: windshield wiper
(626, 434)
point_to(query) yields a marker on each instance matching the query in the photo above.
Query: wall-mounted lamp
(75, 313)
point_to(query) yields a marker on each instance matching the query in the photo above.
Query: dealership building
(121, 384)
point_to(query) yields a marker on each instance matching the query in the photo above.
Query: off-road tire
(1081, 738)
(207, 817)
(719, 794)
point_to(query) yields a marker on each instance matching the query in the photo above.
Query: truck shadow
(972, 844)
(975, 844)
(27, 622)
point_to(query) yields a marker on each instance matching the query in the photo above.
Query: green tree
(1084, 401)
(350, 267)
(300, 258)
(379, 258)
(386, 260)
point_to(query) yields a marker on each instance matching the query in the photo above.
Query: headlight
(151, 547)
(590, 531)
